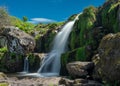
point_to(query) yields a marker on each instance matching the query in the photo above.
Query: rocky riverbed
(10, 80)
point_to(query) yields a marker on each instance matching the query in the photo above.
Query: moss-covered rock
(81, 40)
(110, 15)
(79, 54)
(93, 24)
(81, 34)
(35, 60)
(108, 64)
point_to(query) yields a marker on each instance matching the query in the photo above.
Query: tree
(25, 19)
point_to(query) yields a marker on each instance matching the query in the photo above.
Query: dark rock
(107, 62)
(79, 69)
(35, 60)
(76, 81)
(66, 82)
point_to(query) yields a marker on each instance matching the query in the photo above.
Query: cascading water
(26, 65)
(51, 63)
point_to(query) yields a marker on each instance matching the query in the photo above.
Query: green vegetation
(4, 84)
(45, 34)
(80, 54)
(25, 26)
(81, 34)
(2, 52)
(25, 19)
(110, 18)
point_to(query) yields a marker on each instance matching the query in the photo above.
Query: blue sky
(47, 10)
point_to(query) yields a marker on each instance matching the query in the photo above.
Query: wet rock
(107, 62)
(79, 69)
(35, 60)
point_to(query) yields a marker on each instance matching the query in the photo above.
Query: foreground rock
(46, 81)
(108, 60)
(13, 81)
(2, 76)
(80, 69)
(78, 82)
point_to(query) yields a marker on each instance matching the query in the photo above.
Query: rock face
(18, 44)
(108, 60)
(17, 41)
(79, 69)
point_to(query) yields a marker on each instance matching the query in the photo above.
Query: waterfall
(51, 63)
(26, 65)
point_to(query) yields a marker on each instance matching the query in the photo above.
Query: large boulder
(17, 41)
(18, 44)
(80, 69)
(107, 61)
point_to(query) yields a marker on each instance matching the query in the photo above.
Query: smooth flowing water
(51, 63)
(26, 65)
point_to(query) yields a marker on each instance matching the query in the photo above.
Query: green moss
(73, 35)
(3, 49)
(64, 58)
(110, 18)
(31, 58)
(80, 54)
(82, 30)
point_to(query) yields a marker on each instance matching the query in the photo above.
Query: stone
(35, 60)
(79, 69)
(107, 61)
(76, 81)
(18, 44)
(3, 76)
(17, 40)
(66, 82)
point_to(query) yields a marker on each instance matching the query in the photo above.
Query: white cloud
(41, 20)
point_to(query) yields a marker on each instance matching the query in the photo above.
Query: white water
(51, 63)
(26, 65)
